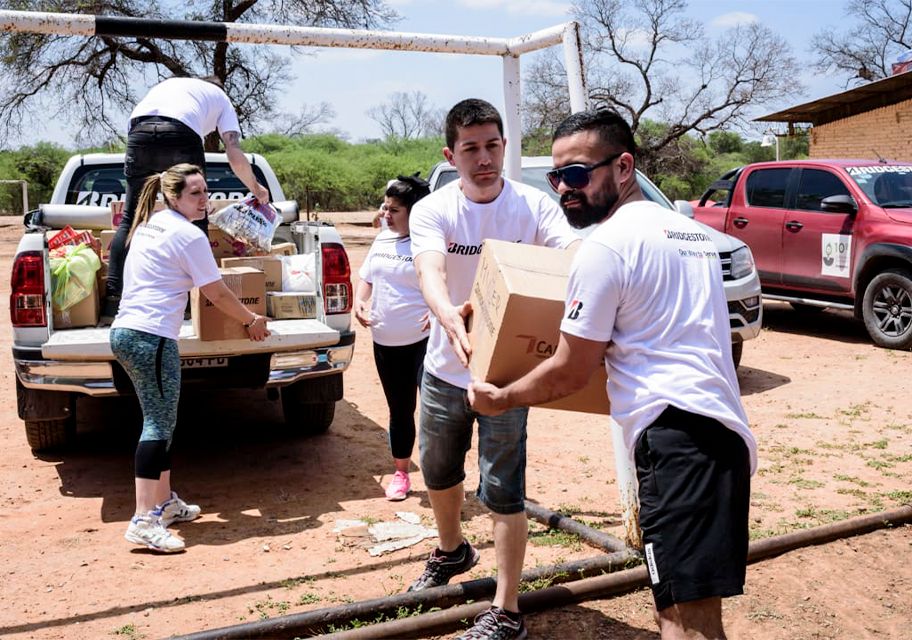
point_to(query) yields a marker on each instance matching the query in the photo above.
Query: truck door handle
(794, 225)
(740, 222)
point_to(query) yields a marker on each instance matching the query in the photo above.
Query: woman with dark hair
(168, 256)
(398, 320)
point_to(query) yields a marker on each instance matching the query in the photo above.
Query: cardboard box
(518, 301)
(283, 249)
(269, 265)
(249, 285)
(82, 314)
(107, 236)
(291, 304)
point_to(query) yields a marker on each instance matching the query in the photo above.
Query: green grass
(803, 483)
(904, 497)
(128, 631)
(852, 479)
(555, 538)
(308, 598)
(809, 415)
(264, 608)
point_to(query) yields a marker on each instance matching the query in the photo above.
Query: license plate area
(209, 362)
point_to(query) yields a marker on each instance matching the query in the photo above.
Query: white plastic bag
(298, 273)
(249, 221)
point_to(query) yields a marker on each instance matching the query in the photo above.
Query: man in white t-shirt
(448, 228)
(166, 128)
(645, 296)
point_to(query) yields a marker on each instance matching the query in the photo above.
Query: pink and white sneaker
(398, 487)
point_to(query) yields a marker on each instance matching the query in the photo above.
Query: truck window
(815, 185)
(99, 185)
(766, 188)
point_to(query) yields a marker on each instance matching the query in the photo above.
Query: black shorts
(694, 491)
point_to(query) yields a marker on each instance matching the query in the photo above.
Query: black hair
(612, 129)
(408, 190)
(467, 113)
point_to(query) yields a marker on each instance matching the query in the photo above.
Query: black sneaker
(495, 624)
(440, 568)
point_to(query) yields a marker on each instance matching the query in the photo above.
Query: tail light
(337, 286)
(27, 303)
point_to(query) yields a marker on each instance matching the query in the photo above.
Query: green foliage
(39, 165)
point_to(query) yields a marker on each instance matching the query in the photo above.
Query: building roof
(867, 97)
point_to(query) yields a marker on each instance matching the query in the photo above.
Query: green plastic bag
(73, 276)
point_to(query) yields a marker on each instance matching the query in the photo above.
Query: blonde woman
(168, 256)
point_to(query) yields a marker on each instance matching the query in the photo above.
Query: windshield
(889, 186)
(101, 184)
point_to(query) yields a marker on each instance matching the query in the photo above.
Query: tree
(304, 121)
(91, 81)
(408, 116)
(863, 52)
(630, 46)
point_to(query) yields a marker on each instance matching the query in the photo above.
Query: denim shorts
(445, 436)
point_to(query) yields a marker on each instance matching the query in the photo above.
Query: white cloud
(636, 38)
(521, 7)
(734, 19)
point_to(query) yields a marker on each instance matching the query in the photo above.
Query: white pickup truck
(305, 359)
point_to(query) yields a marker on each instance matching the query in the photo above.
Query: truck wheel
(50, 434)
(887, 309)
(310, 418)
(737, 350)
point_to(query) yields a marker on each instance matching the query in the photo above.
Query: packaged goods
(250, 221)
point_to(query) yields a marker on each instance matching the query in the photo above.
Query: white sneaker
(176, 510)
(148, 531)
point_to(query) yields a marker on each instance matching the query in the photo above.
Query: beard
(586, 212)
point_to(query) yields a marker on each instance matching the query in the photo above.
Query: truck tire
(50, 434)
(737, 351)
(887, 309)
(309, 418)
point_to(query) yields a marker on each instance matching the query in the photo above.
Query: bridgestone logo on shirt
(394, 256)
(689, 237)
(651, 563)
(464, 250)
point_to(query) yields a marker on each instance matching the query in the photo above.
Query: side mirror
(684, 207)
(839, 204)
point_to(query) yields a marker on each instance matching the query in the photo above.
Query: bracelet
(252, 322)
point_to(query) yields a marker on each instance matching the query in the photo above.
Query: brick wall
(886, 131)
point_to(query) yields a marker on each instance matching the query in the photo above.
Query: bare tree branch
(407, 116)
(628, 69)
(864, 52)
(90, 81)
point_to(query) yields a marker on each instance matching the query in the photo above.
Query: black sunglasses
(576, 176)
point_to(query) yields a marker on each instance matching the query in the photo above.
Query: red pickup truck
(826, 233)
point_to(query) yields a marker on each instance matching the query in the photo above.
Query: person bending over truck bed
(167, 127)
(169, 256)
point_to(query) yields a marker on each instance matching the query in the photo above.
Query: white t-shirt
(168, 256)
(649, 281)
(397, 306)
(200, 105)
(449, 223)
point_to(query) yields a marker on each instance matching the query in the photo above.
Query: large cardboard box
(269, 265)
(291, 304)
(248, 284)
(82, 314)
(518, 302)
(283, 249)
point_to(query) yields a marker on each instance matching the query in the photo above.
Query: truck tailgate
(287, 335)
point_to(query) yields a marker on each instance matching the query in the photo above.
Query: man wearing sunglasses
(645, 296)
(448, 228)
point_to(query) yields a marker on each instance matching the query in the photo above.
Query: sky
(353, 80)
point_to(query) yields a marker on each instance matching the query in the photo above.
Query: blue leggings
(153, 364)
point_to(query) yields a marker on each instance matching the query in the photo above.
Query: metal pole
(512, 117)
(573, 63)
(627, 488)
(554, 520)
(25, 207)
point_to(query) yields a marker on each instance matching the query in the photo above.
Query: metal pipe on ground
(601, 587)
(318, 620)
(555, 520)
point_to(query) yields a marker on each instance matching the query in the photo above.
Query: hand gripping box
(209, 323)
(517, 306)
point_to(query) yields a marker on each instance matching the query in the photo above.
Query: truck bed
(92, 344)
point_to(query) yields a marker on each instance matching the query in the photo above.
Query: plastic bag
(250, 221)
(298, 273)
(73, 276)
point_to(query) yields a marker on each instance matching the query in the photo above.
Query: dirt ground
(832, 414)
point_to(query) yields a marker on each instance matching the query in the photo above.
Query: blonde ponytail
(170, 183)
